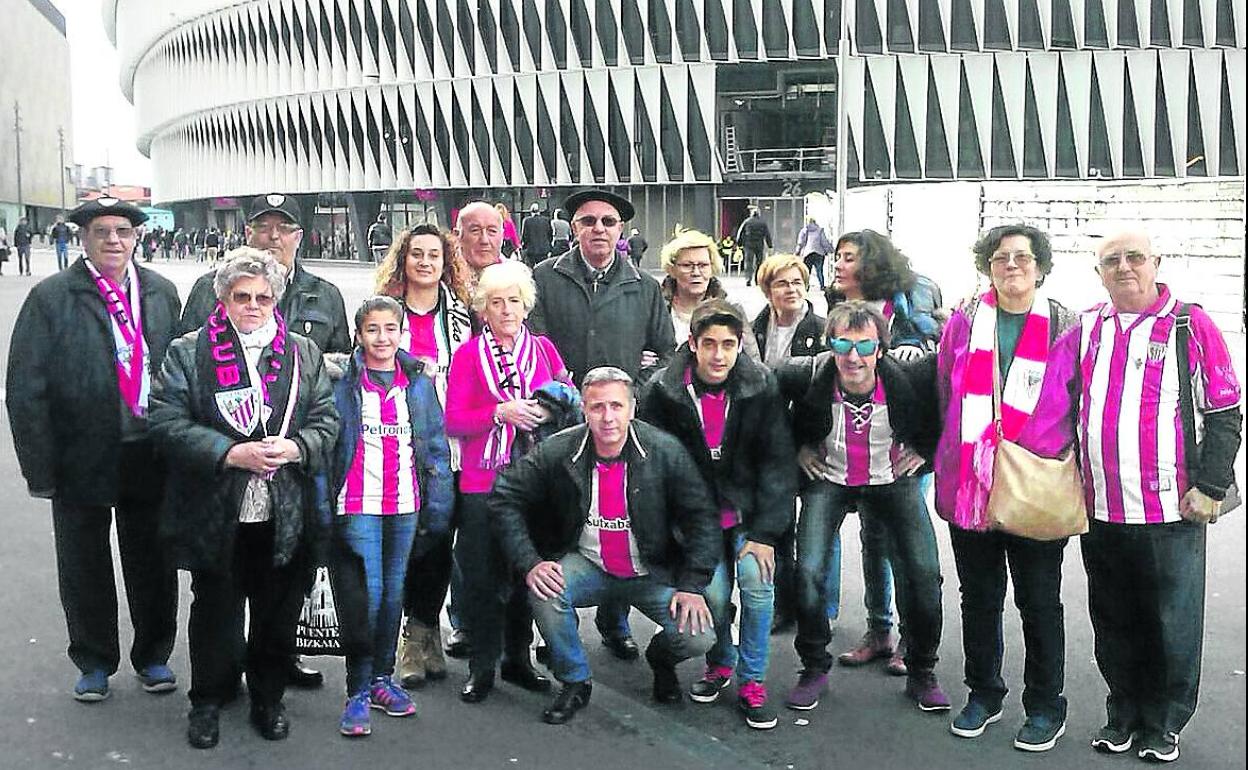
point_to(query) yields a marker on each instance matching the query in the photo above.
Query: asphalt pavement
(863, 722)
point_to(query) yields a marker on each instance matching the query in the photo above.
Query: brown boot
(412, 668)
(435, 664)
(874, 644)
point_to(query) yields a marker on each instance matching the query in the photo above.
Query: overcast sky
(104, 121)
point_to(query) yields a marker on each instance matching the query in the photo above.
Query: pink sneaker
(706, 689)
(752, 700)
(925, 691)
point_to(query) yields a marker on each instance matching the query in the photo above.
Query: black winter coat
(808, 338)
(312, 306)
(539, 505)
(913, 411)
(202, 498)
(756, 473)
(610, 327)
(63, 401)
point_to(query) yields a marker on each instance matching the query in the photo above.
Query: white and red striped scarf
(1019, 394)
(509, 376)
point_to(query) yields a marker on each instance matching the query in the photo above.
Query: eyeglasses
(694, 267)
(1134, 259)
(476, 231)
(246, 298)
(589, 220)
(281, 228)
(123, 232)
(842, 346)
(1021, 258)
(796, 283)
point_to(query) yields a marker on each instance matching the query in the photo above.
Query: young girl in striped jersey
(391, 479)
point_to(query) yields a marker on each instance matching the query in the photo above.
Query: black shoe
(202, 730)
(666, 684)
(622, 647)
(523, 675)
(299, 675)
(477, 688)
(572, 698)
(271, 722)
(542, 654)
(457, 645)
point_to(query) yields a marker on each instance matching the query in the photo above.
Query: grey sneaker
(1039, 733)
(973, 719)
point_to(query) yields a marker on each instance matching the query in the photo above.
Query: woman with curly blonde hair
(425, 272)
(692, 262)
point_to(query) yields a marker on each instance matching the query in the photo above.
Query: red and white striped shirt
(860, 447)
(607, 537)
(382, 480)
(1130, 425)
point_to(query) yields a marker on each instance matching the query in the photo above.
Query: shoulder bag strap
(1187, 406)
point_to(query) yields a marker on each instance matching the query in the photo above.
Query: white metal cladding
(321, 95)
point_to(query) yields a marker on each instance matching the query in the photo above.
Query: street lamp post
(60, 133)
(17, 139)
(842, 122)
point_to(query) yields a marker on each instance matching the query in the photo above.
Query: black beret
(106, 206)
(576, 200)
(273, 202)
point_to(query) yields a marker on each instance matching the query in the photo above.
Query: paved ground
(863, 722)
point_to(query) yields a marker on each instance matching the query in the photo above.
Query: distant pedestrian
(637, 246)
(4, 248)
(22, 237)
(511, 241)
(813, 247)
(535, 236)
(754, 238)
(379, 239)
(560, 233)
(60, 237)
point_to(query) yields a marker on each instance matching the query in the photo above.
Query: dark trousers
(84, 565)
(23, 260)
(1146, 596)
(428, 578)
(496, 606)
(899, 506)
(1035, 568)
(274, 597)
(752, 257)
(786, 575)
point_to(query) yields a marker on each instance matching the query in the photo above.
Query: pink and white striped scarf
(1019, 394)
(509, 376)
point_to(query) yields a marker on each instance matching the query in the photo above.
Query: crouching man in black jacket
(612, 510)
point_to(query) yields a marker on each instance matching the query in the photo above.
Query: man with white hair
(1146, 384)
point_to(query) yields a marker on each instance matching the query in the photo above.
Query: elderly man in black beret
(600, 310)
(84, 347)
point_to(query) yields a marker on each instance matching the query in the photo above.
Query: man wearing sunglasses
(1147, 385)
(311, 306)
(866, 426)
(84, 347)
(600, 310)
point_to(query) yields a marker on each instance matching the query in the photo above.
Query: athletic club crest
(240, 408)
(274, 199)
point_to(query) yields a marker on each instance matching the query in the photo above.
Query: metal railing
(786, 160)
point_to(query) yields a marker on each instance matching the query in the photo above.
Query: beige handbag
(1033, 497)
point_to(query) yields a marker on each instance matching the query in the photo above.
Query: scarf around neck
(132, 358)
(980, 429)
(244, 401)
(509, 376)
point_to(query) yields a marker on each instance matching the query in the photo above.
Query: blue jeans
(62, 255)
(384, 544)
(757, 605)
(585, 585)
(900, 508)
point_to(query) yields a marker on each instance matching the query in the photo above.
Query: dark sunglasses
(245, 298)
(842, 346)
(589, 220)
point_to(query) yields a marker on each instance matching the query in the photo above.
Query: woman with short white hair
(490, 406)
(243, 412)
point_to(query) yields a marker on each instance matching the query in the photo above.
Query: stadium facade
(691, 107)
